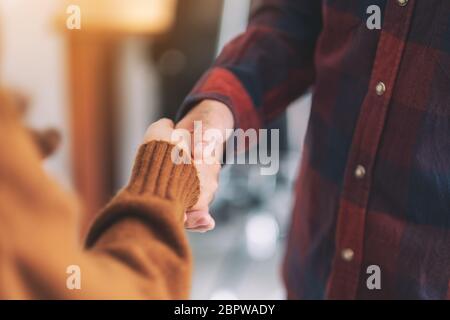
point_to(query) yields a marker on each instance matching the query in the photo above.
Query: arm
(136, 248)
(260, 72)
(254, 79)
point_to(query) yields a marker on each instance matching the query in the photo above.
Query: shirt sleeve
(271, 64)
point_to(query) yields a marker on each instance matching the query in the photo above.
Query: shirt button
(402, 3)
(360, 172)
(347, 254)
(380, 88)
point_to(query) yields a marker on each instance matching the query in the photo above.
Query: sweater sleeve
(142, 227)
(136, 249)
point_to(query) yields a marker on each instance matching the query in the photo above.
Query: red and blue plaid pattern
(396, 212)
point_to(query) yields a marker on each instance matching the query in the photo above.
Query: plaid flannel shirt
(374, 183)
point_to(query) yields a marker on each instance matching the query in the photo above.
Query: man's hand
(213, 115)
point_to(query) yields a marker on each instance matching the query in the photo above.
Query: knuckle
(164, 121)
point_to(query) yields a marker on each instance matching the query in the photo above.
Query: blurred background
(132, 62)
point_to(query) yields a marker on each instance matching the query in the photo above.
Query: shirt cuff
(222, 85)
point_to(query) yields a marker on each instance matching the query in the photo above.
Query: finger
(165, 122)
(198, 218)
(200, 229)
(203, 228)
(193, 221)
(160, 130)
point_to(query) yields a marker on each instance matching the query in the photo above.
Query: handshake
(206, 153)
(136, 247)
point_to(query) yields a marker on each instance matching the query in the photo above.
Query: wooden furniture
(92, 61)
(91, 67)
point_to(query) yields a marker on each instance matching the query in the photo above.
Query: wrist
(212, 113)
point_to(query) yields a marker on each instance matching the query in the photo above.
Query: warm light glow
(126, 16)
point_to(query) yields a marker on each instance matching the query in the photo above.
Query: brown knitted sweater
(136, 248)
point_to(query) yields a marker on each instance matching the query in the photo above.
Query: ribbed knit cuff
(155, 177)
(156, 174)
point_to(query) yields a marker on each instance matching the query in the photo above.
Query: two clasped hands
(212, 115)
(136, 247)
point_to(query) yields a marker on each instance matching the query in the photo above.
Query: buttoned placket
(347, 262)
